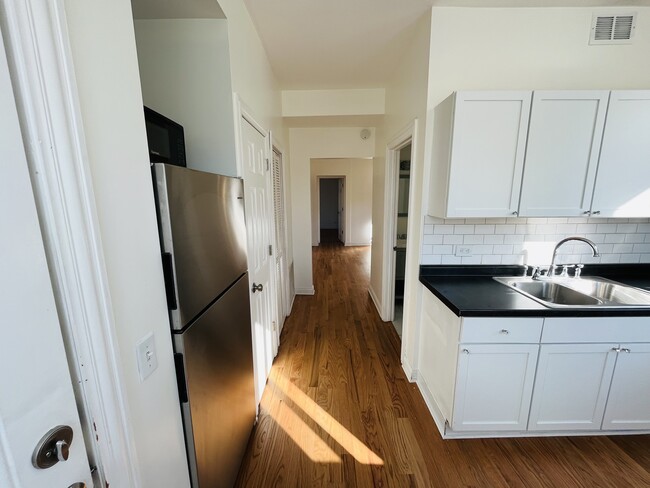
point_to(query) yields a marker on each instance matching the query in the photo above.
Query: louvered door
(280, 243)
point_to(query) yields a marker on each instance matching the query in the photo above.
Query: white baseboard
(411, 374)
(293, 299)
(376, 301)
(437, 415)
(305, 291)
(353, 244)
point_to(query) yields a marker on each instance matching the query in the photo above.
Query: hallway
(339, 411)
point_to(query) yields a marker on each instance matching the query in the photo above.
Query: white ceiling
(322, 44)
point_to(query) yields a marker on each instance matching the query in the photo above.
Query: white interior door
(259, 220)
(35, 384)
(280, 243)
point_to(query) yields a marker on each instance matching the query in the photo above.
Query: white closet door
(564, 137)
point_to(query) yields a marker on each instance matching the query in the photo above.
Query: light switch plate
(147, 356)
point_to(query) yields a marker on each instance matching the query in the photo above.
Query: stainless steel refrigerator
(203, 239)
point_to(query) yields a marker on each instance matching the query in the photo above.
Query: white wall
(358, 197)
(307, 144)
(185, 75)
(309, 103)
(106, 69)
(406, 99)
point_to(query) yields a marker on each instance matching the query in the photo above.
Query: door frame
(330, 177)
(243, 113)
(407, 136)
(40, 63)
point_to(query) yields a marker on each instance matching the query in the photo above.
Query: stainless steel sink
(586, 292)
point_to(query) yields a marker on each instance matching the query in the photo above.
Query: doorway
(401, 226)
(331, 210)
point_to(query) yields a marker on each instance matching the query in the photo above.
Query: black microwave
(166, 139)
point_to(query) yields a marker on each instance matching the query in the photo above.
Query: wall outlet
(463, 251)
(147, 356)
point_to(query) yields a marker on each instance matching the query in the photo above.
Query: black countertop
(470, 291)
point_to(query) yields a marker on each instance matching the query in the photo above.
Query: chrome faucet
(594, 248)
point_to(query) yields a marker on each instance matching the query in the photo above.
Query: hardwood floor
(338, 411)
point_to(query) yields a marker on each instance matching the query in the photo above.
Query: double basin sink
(583, 292)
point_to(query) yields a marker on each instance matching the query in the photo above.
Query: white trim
(46, 94)
(357, 244)
(402, 139)
(436, 413)
(291, 302)
(345, 207)
(375, 300)
(411, 374)
(305, 291)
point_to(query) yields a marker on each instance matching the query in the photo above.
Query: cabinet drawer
(596, 329)
(501, 330)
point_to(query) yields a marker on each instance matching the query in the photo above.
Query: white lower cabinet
(493, 386)
(628, 406)
(571, 386)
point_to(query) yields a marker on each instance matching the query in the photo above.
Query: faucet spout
(594, 248)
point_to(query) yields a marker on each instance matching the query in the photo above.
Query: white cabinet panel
(571, 386)
(487, 153)
(623, 182)
(502, 330)
(628, 406)
(494, 386)
(564, 137)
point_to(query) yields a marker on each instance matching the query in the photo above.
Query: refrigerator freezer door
(218, 368)
(202, 225)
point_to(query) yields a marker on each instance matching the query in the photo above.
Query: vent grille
(613, 29)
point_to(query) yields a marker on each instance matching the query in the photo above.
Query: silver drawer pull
(504, 331)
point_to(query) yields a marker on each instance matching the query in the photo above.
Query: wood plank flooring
(339, 412)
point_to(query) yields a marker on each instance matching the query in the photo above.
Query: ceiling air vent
(612, 29)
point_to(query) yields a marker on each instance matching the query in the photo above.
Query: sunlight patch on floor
(329, 424)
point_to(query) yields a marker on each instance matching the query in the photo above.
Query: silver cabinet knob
(625, 349)
(504, 331)
(515, 213)
(616, 349)
(465, 351)
(597, 212)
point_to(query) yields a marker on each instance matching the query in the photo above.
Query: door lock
(53, 447)
(259, 287)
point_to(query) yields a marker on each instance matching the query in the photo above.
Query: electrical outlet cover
(463, 251)
(147, 356)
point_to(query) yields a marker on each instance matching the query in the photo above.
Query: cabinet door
(628, 406)
(487, 153)
(571, 386)
(493, 387)
(623, 181)
(564, 137)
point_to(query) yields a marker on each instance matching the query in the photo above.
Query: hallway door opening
(331, 209)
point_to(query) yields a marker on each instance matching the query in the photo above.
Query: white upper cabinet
(564, 137)
(479, 144)
(623, 181)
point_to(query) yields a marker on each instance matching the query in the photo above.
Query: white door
(487, 153)
(494, 385)
(259, 220)
(571, 386)
(566, 128)
(280, 244)
(342, 210)
(623, 181)
(628, 405)
(35, 386)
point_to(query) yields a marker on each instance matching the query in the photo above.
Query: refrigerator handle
(180, 377)
(168, 272)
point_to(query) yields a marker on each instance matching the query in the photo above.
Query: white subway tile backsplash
(443, 229)
(452, 239)
(463, 229)
(484, 229)
(494, 239)
(474, 239)
(531, 241)
(505, 229)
